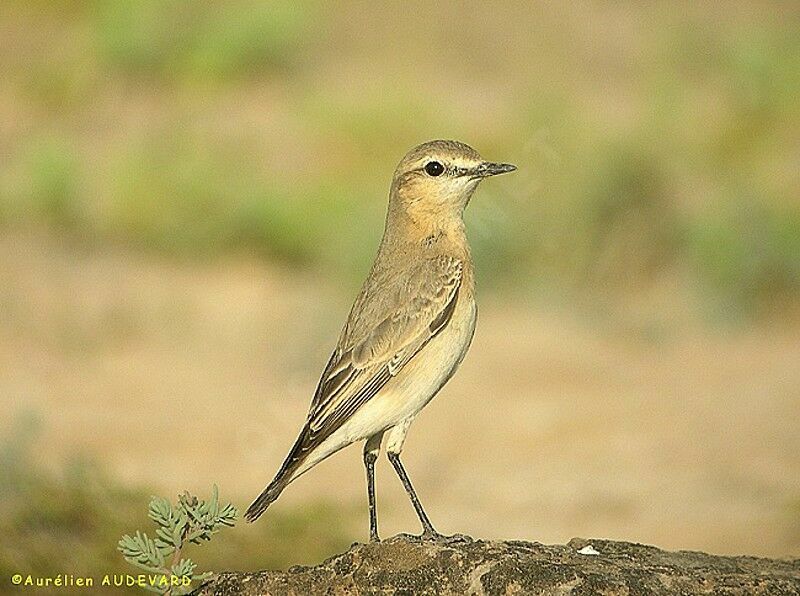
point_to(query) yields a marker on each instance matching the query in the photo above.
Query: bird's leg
(428, 531)
(369, 462)
(371, 449)
(394, 445)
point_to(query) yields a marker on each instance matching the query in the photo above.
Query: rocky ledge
(405, 565)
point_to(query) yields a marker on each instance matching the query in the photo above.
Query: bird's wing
(417, 307)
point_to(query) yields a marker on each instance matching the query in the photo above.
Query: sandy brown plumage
(409, 327)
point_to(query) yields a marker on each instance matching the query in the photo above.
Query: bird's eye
(434, 168)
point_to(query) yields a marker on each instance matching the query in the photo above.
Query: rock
(405, 565)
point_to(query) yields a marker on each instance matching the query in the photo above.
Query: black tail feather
(284, 476)
(265, 499)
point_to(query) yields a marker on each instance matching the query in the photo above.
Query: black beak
(488, 168)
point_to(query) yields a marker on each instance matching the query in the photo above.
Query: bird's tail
(284, 476)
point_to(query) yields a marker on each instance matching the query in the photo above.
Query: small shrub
(190, 521)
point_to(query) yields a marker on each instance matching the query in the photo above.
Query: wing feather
(419, 307)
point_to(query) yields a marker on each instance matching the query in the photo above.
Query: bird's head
(437, 178)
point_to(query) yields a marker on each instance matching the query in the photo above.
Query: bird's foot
(458, 538)
(405, 537)
(374, 539)
(431, 535)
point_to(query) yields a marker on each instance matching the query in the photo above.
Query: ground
(401, 566)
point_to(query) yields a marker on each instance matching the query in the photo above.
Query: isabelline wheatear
(409, 328)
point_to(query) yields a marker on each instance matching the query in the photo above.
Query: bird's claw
(434, 536)
(455, 538)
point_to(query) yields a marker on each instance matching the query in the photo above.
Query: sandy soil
(181, 375)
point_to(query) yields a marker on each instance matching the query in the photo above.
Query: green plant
(191, 520)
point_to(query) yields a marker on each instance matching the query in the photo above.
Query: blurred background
(191, 194)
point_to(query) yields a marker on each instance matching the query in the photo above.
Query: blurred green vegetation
(68, 520)
(651, 142)
(158, 39)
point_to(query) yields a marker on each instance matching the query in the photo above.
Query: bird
(408, 329)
